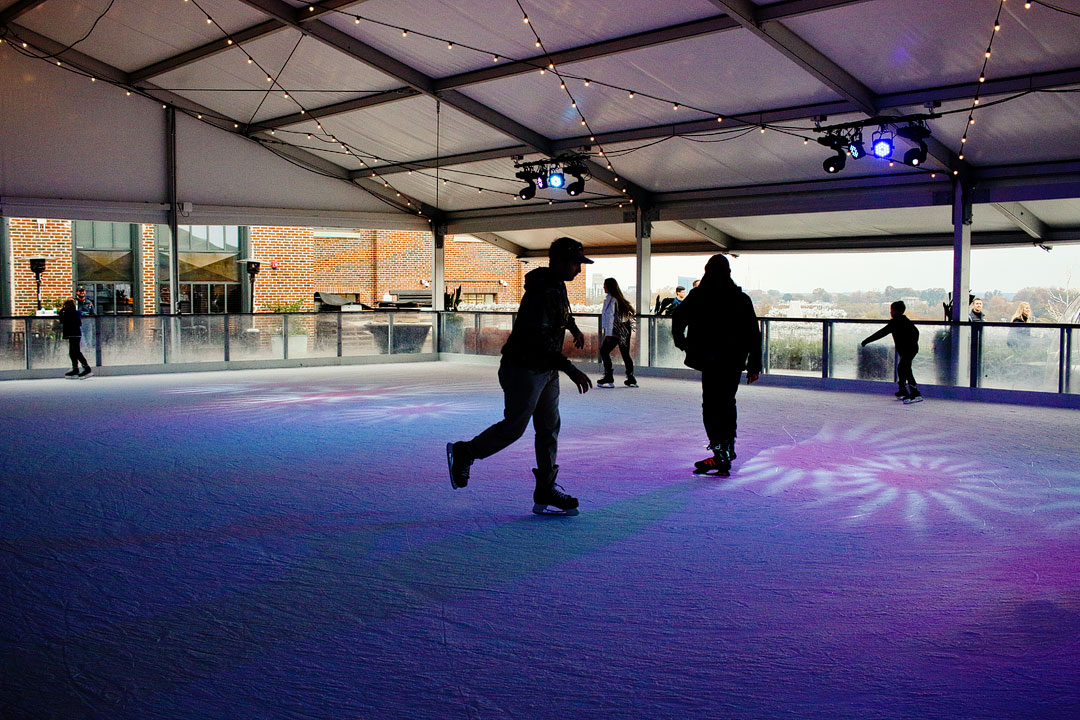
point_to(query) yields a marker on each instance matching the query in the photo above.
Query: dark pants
(609, 344)
(526, 394)
(718, 388)
(75, 353)
(903, 372)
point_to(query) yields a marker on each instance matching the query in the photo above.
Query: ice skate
(459, 467)
(549, 498)
(913, 397)
(72, 373)
(901, 394)
(631, 382)
(85, 372)
(606, 382)
(719, 463)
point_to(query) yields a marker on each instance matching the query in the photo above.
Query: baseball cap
(567, 248)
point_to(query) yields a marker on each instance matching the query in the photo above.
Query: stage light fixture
(528, 192)
(835, 163)
(855, 147)
(555, 179)
(577, 187)
(882, 144)
(915, 132)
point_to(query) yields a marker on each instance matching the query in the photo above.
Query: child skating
(906, 337)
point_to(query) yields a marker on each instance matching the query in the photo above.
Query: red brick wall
(346, 265)
(292, 251)
(296, 264)
(53, 240)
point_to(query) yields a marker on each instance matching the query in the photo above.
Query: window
(210, 279)
(478, 298)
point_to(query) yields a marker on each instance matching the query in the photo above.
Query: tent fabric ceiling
(426, 104)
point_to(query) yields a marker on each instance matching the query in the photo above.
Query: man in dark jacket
(717, 327)
(906, 337)
(529, 376)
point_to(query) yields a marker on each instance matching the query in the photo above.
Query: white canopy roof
(703, 116)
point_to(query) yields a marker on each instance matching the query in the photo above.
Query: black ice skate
(630, 382)
(85, 371)
(549, 498)
(720, 462)
(606, 382)
(72, 373)
(913, 397)
(459, 466)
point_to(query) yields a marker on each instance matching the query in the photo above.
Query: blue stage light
(856, 149)
(556, 179)
(883, 147)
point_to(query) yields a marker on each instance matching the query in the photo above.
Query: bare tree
(1060, 299)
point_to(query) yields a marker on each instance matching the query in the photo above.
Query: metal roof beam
(302, 15)
(801, 53)
(1048, 80)
(417, 80)
(500, 242)
(1024, 219)
(18, 9)
(713, 234)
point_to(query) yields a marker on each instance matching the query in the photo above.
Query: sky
(1003, 269)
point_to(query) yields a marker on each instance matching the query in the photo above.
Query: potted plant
(453, 335)
(298, 331)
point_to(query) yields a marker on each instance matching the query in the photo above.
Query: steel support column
(643, 237)
(960, 349)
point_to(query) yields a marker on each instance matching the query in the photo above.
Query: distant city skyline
(1003, 269)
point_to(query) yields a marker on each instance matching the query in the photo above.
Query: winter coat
(536, 340)
(905, 335)
(71, 323)
(718, 328)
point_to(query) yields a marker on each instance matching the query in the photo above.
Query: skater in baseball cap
(529, 376)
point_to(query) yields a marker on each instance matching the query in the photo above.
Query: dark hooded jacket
(905, 335)
(70, 322)
(536, 341)
(717, 327)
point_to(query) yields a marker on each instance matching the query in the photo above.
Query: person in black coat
(71, 322)
(529, 376)
(906, 337)
(717, 327)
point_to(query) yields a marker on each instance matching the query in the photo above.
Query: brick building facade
(297, 262)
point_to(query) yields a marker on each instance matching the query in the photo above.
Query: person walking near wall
(617, 324)
(717, 327)
(529, 376)
(71, 324)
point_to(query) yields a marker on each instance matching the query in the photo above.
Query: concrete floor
(285, 544)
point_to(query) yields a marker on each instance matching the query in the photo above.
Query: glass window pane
(216, 237)
(199, 239)
(232, 237)
(234, 304)
(83, 231)
(200, 299)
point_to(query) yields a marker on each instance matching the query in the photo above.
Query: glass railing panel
(356, 336)
(453, 330)
(490, 336)
(664, 352)
(849, 360)
(301, 338)
(794, 348)
(1072, 367)
(933, 364)
(590, 328)
(12, 344)
(128, 340)
(250, 337)
(1020, 357)
(413, 333)
(195, 338)
(48, 348)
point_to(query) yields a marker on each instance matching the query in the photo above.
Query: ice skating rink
(285, 544)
